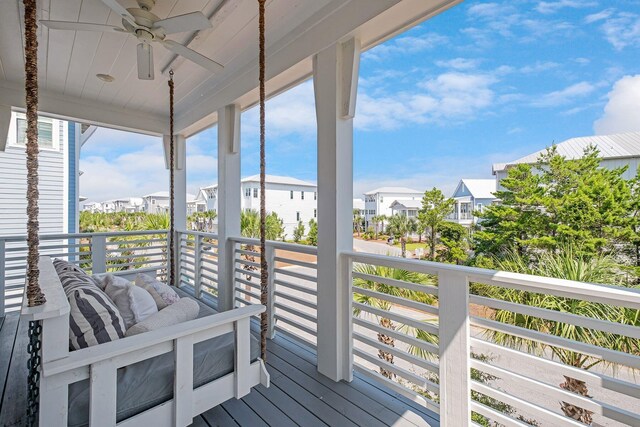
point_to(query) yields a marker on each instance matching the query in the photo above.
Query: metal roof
(620, 145)
(393, 190)
(271, 179)
(407, 204)
(480, 188)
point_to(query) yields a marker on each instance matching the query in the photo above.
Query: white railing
(94, 252)
(424, 339)
(292, 300)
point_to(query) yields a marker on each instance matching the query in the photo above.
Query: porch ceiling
(296, 29)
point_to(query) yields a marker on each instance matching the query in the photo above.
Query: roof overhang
(308, 27)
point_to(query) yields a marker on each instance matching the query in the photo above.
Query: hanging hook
(171, 74)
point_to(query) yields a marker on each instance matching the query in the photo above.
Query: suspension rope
(264, 275)
(35, 296)
(171, 186)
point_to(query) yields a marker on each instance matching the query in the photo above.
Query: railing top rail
(293, 247)
(199, 233)
(607, 294)
(20, 238)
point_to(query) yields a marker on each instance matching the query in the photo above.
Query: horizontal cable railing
(198, 262)
(292, 306)
(94, 252)
(540, 351)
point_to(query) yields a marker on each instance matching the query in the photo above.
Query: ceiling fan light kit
(149, 28)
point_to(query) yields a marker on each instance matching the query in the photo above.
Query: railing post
(177, 261)
(271, 310)
(3, 254)
(453, 309)
(98, 253)
(198, 262)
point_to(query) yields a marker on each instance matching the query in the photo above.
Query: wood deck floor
(298, 395)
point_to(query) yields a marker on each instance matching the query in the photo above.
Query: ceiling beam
(289, 59)
(85, 111)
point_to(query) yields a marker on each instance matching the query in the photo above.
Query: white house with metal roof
(378, 202)
(158, 202)
(408, 208)
(472, 195)
(616, 151)
(293, 199)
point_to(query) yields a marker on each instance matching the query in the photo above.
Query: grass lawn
(412, 246)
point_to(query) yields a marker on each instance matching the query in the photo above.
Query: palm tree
(400, 226)
(392, 273)
(568, 263)
(357, 221)
(378, 219)
(250, 227)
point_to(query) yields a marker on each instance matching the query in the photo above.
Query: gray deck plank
(270, 413)
(243, 414)
(314, 404)
(199, 422)
(7, 340)
(298, 413)
(389, 415)
(15, 392)
(218, 417)
(385, 397)
(348, 409)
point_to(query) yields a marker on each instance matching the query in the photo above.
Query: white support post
(271, 309)
(102, 394)
(455, 394)
(98, 253)
(242, 359)
(183, 383)
(3, 254)
(54, 402)
(197, 266)
(335, 77)
(228, 201)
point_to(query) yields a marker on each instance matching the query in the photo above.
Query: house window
(315, 213)
(45, 133)
(291, 195)
(302, 195)
(247, 192)
(381, 199)
(479, 207)
(153, 201)
(255, 193)
(297, 216)
(315, 195)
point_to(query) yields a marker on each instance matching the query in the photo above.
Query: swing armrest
(56, 305)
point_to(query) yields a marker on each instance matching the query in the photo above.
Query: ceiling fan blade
(120, 10)
(145, 61)
(181, 23)
(192, 56)
(79, 26)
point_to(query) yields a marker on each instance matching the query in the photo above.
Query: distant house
(358, 207)
(199, 204)
(59, 143)
(615, 150)
(408, 208)
(379, 201)
(159, 202)
(472, 195)
(292, 199)
(92, 207)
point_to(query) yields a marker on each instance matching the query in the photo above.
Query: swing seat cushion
(149, 383)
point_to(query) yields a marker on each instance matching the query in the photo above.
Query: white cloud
(621, 112)
(564, 96)
(539, 66)
(406, 45)
(599, 16)
(548, 7)
(449, 96)
(459, 63)
(622, 30)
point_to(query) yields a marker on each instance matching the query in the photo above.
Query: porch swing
(165, 373)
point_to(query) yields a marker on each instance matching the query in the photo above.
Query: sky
(484, 82)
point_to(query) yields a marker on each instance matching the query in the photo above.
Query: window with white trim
(47, 138)
(255, 193)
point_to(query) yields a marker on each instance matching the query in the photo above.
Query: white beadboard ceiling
(69, 61)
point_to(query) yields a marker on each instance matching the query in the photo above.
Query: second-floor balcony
(418, 348)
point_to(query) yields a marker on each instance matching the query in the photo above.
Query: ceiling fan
(148, 28)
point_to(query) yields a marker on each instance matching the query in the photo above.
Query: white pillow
(181, 311)
(162, 293)
(134, 303)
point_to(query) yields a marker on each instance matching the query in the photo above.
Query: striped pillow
(94, 318)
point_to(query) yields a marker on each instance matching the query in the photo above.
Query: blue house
(472, 195)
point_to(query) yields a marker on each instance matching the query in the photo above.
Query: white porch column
(228, 200)
(335, 77)
(180, 178)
